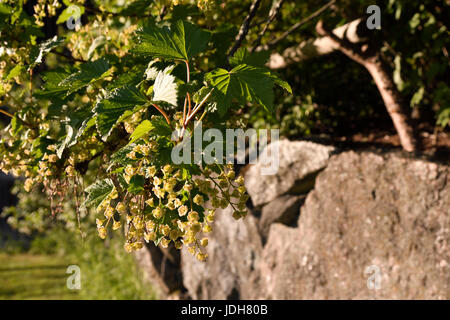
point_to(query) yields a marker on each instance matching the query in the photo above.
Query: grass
(30, 277)
(107, 271)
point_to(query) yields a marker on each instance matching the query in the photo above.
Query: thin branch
(188, 97)
(243, 31)
(188, 72)
(302, 22)
(343, 44)
(189, 104)
(188, 78)
(196, 108)
(271, 17)
(184, 109)
(6, 113)
(68, 57)
(203, 115)
(31, 84)
(10, 115)
(163, 113)
(199, 106)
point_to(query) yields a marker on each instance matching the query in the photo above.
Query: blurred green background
(33, 264)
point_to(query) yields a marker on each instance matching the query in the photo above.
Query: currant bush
(115, 97)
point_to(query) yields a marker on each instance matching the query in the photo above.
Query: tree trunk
(393, 102)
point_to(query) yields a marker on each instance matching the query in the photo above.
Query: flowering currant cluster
(45, 8)
(168, 203)
(115, 99)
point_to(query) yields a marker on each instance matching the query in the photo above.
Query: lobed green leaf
(112, 110)
(181, 42)
(98, 192)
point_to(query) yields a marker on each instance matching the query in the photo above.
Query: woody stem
(6, 113)
(163, 113)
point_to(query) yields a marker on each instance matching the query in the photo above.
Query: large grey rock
(382, 214)
(284, 209)
(367, 213)
(229, 272)
(299, 163)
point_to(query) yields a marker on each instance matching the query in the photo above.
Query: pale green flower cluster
(171, 206)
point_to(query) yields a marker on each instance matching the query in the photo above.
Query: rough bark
(393, 102)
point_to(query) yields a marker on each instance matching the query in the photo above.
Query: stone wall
(329, 225)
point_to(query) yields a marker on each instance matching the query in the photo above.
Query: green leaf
(16, 125)
(89, 122)
(443, 117)
(130, 77)
(200, 94)
(112, 110)
(183, 11)
(52, 88)
(141, 130)
(89, 72)
(14, 72)
(281, 83)
(98, 192)
(397, 74)
(161, 127)
(165, 87)
(37, 52)
(181, 42)
(121, 156)
(256, 59)
(417, 97)
(123, 183)
(136, 184)
(73, 10)
(62, 83)
(156, 127)
(17, 12)
(39, 147)
(243, 83)
(222, 38)
(5, 10)
(62, 146)
(5, 13)
(415, 21)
